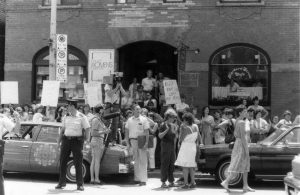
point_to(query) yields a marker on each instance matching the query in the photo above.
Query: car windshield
(273, 136)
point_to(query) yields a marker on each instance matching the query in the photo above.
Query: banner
(61, 57)
(172, 95)
(9, 92)
(50, 93)
(93, 93)
(101, 63)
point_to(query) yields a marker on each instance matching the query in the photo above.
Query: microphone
(111, 115)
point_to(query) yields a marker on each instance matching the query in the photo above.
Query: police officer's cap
(72, 102)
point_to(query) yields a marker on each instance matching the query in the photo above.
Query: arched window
(237, 72)
(77, 74)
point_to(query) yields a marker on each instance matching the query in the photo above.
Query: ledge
(240, 4)
(61, 6)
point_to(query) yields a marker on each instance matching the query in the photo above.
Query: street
(40, 184)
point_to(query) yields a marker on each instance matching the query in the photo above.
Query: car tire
(222, 173)
(71, 171)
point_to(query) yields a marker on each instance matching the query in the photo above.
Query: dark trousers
(74, 145)
(1, 167)
(167, 161)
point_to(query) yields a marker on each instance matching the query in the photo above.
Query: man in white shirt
(149, 82)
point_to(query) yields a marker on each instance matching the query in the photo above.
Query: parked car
(35, 149)
(269, 159)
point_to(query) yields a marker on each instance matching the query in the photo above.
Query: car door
(44, 155)
(17, 149)
(277, 158)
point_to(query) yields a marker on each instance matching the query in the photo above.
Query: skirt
(240, 159)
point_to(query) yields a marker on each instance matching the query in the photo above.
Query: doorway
(138, 57)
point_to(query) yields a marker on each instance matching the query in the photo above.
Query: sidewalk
(177, 174)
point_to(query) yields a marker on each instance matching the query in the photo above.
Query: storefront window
(77, 74)
(239, 72)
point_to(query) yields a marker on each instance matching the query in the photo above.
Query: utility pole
(52, 42)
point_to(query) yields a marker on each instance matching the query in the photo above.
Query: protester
(240, 159)
(259, 128)
(61, 113)
(30, 115)
(227, 125)
(219, 133)
(286, 121)
(140, 96)
(273, 123)
(126, 101)
(23, 115)
(38, 116)
(149, 82)
(168, 135)
(71, 139)
(207, 123)
(160, 92)
(88, 112)
(256, 106)
(133, 88)
(98, 131)
(182, 106)
(150, 103)
(136, 126)
(189, 140)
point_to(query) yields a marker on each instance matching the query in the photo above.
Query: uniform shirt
(5, 125)
(137, 126)
(74, 124)
(148, 84)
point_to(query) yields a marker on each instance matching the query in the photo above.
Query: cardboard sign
(171, 92)
(50, 93)
(9, 92)
(93, 93)
(101, 63)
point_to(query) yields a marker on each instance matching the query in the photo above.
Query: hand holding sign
(171, 92)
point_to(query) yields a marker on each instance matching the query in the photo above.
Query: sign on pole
(50, 93)
(101, 63)
(61, 57)
(171, 92)
(9, 92)
(93, 93)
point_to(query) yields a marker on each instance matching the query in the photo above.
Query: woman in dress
(240, 159)
(207, 124)
(189, 140)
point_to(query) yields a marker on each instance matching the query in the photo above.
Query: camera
(118, 76)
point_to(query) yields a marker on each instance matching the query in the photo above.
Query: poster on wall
(101, 63)
(50, 93)
(9, 92)
(171, 92)
(93, 93)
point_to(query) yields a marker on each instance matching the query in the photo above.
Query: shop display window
(239, 72)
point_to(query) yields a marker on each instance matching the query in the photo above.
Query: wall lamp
(186, 48)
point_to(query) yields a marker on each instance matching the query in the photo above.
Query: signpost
(52, 41)
(61, 57)
(171, 92)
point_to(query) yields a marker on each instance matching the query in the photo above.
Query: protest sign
(101, 63)
(171, 92)
(9, 92)
(50, 93)
(93, 93)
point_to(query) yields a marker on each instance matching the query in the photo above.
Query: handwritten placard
(171, 92)
(9, 92)
(50, 93)
(93, 93)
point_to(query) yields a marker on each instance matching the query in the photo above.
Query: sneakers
(80, 188)
(142, 183)
(172, 184)
(163, 185)
(193, 185)
(60, 186)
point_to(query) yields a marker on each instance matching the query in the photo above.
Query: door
(44, 155)
(17, 149)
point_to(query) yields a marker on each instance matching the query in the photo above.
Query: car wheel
(71, 171)
(222, 173)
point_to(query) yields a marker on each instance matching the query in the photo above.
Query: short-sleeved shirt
(74, 124)
(137, 126)
(170, 136)
(5, 125)
(148, 84)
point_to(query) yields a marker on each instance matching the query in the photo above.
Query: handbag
(142, 140)
(198, 153)
(229, 135)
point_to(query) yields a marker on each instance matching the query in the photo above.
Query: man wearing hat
(71, 139)
(286, 121)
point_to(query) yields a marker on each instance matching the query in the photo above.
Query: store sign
(61, 57)
(50, 93)
(93, 93)
(101, 64)
(9, 92)
(188, 79)
(240, 73)
(171, 92)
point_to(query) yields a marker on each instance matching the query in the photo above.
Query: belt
(74, 137)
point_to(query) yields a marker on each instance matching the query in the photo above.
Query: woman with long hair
(240, 158)
(207, 123)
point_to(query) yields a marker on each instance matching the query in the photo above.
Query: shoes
(193, 185)
(92, 182)
(248, 189)
(151, 170)
(171, 185)
(185, 186)
(135, 182)
(80, 188)
(98, 182)
(164, 185)
(225, 186)
(60, 186)
(142, 183)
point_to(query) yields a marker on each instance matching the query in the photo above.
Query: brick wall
(274, 27)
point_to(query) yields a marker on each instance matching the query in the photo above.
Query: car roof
(42, 123)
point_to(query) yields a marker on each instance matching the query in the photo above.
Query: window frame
(60, 3)
(240, 1)
(174, 1)
(126, 2)
(211, 65)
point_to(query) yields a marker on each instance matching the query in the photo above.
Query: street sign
(61, 57)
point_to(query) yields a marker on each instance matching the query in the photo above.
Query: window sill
(61, 6)
(244, 4)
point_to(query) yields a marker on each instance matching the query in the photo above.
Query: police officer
(73, 134)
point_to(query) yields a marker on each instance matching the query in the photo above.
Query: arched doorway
(77, 74)
(138, 57)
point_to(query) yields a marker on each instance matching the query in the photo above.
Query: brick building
(250, 43)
